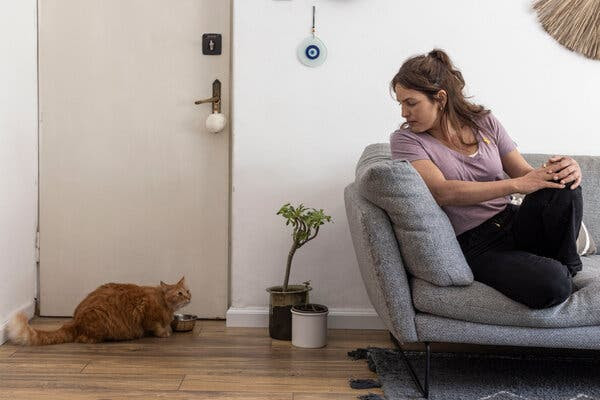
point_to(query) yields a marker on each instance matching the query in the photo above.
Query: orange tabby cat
(114, 311)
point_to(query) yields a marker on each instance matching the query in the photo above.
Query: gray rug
(460, 376)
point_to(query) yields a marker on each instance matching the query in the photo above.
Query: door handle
(215, 99)
(215, 121)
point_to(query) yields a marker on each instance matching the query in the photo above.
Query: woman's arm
(515, 165)
(565, 169)
(464, 193)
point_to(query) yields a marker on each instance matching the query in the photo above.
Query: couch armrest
(381, 265)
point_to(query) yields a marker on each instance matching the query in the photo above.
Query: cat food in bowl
(183, 322)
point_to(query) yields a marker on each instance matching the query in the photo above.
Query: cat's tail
(20, 332)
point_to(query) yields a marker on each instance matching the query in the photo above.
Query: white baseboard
(28, 309)
(338, 318)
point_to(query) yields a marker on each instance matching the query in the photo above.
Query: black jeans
(529, 253)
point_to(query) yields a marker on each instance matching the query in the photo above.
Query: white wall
(18, 157)
(298, 132)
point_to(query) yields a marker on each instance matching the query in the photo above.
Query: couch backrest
(590, 186)
(425, 235)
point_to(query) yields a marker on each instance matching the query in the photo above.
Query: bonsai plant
(306, 223)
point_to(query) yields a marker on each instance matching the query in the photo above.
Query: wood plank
(197, 352)
(7, 350)
(44, 365)
(266, 384)
(72, 394)
(89, 381)
(177, 344)
(239, 366)
(190, 347)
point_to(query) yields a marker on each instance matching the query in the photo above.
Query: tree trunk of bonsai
(289, 265)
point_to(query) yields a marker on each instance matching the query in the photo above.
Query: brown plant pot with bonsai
(306, 223)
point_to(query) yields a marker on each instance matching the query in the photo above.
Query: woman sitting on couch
(462, 152)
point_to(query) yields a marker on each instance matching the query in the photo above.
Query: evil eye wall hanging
(312, 51)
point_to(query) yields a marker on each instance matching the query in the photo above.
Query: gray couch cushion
(427, 241)
(483, 304)
(432, 328)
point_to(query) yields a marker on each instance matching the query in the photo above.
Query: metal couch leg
(424, 389)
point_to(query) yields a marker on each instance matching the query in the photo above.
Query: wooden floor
(212, 362)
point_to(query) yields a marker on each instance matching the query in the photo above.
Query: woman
(462, 152)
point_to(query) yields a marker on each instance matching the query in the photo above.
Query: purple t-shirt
(493, 142)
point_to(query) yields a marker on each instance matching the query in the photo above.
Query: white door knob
(215, 122)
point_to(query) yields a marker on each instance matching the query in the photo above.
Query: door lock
(211, 44)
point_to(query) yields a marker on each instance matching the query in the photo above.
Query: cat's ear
(163, 285)
(181, 281)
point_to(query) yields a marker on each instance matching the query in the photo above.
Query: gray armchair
(415, 310)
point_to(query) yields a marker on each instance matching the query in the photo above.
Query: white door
(132, 186)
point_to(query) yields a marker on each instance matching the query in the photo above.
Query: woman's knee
(553, 202)
(550, 194)
(554, 289)
(567, 194)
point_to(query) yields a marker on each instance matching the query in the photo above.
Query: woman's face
(421, 113)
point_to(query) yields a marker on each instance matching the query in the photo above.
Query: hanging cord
(313, 25)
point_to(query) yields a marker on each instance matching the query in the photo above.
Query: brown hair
(431, 73)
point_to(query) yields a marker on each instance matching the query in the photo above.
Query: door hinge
(37, 247)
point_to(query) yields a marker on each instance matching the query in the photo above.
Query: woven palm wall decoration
(573, 23)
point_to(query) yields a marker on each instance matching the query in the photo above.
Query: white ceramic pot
(309, 325)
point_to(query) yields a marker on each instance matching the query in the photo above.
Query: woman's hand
(537, 179)
(564, 170)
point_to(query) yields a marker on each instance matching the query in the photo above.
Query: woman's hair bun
(440, 55)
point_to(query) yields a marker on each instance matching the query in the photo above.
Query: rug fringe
(364, 383)
(371, 364)
(370, 396)
(358, 354)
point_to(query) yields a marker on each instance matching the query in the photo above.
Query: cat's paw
(163, 332)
